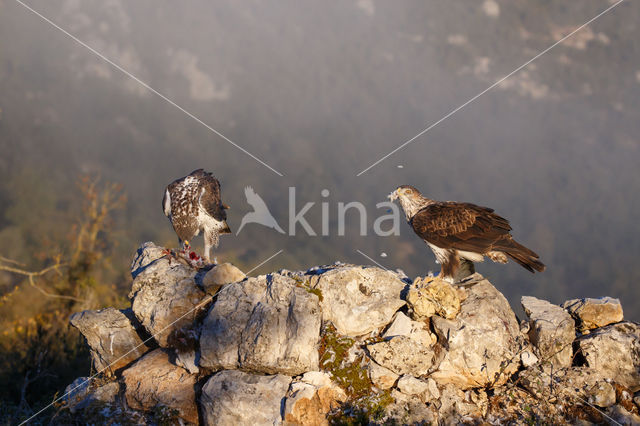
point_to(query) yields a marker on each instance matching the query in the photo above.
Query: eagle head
(410, 199)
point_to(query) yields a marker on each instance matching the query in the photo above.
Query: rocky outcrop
(236, 398)
(114, 340)
(552, 331)
(340, 344)
(165, 296)
(482, 345)
(594, 313)
(358, 300)
(155, 381)
(614, 351)
(268, 324)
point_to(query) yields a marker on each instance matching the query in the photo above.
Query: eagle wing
(210, 198)
(461, 226)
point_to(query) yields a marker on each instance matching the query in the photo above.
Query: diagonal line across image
(452, 112)
(145, 85)
(200, 305)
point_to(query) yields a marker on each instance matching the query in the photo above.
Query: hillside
(347, 344)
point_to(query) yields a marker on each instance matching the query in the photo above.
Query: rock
(602, 394)
(358, 300)
(432, 296)
(233, 397)
(552, 331)
(381, 377)
(623, 417)
(146, 255)
(453, 407)
(267, 324)
(311, 399)
(411, 386)
(402, 325)
(222, 274)
(153, 381)
(432, 387)
(614, 351)
(528, 358)
(112, 337)
(407, 410)
(84, 391)
(165, 295)
(188, 361)
(483, 342)
(403, 355)
(594, 313)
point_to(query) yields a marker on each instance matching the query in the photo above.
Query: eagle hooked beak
(393, 196)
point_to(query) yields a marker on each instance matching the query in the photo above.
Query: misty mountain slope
(320, 91)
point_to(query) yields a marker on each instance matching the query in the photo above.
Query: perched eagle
(193, 204)
(462, 233)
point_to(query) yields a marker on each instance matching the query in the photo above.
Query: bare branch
(32, 275)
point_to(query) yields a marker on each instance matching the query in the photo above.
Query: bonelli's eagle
(193, 204)
(462, 233)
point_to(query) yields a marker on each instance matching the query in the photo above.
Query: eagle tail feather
(524, 256)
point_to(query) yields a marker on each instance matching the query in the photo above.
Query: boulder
(433, 296)
(164, 293)
(403, 355)
(594, 313)
(222, 274)
(411, 386)
(154, 382)
(310, 400)
(552, 331)
(268, 324)
(358, 300)
(402, 325)
(233, 397)
(482, 344)
(381, 377)
(614, 351)
(84, 391)
(114, 340)
(408, 410)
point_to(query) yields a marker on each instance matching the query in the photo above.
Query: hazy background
(319, 91)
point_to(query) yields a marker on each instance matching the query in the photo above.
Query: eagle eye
(408, 191)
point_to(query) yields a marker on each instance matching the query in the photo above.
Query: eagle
(462, 233)
(193, 204)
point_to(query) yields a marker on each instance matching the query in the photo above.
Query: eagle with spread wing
(193, 204)
(462, 233)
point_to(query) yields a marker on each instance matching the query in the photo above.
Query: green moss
(364, 410)
(304, 283)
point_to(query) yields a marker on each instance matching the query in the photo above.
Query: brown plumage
(459, 232)
(193, 204)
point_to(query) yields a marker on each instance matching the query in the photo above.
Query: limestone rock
(188, 361)
(454, 408)
(411, 386)
(233, 397)
(311, 399)
(165, 295)
(153, 381)
(403, 355)
(602, 394)
(482, 344)
(614, 351)
(358, 300)
(432, 296)
(83, 391)
(112, 337)
(594, 313)
(408, 410)
(267, 324)
(402, 325)
(381, 377)
(552, 331)
(528, 358)
(222, 274)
